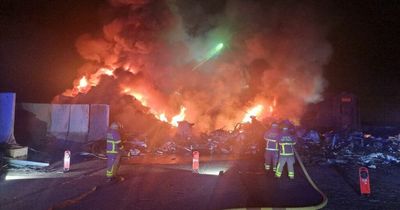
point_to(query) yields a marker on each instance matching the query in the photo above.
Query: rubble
(349, 148)
(312, 136)
(134, 152)
(168, 147)
(332, 147)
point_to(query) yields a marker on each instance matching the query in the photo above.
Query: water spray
(210, 54)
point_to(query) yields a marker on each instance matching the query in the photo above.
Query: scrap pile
(333, 147)
(220, 141)
(352, 148)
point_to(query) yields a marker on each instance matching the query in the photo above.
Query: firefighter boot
(267, 166)
(291, 175)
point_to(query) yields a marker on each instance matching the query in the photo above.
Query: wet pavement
(165, 182)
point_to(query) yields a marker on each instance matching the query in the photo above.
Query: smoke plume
(157, 55)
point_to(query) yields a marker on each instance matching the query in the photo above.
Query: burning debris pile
(352, 148)
(245, 139)
(158, 63)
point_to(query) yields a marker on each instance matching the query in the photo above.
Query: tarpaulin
(98, 122)
(78, 122)
(59, 126)
(7, 114)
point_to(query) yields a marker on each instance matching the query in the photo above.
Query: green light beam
(210, 54)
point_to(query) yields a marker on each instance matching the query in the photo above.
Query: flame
(138, 96)
(109, 72)
(159, 115)
(83, 84)
(88, 81)
(95, 78)
(179, 117)
(162, 117)
(253, 112)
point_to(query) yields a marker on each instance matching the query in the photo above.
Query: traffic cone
(67, 160)
(196, 162)
(364, 181)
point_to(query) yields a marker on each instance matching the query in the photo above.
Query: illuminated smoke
(142, 62)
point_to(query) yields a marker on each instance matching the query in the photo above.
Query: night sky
(38, 59)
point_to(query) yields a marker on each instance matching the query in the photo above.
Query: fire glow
(85, 83)
(160, 116)
(178, 118)
(253, 112)
(136, 95)
(149, 55)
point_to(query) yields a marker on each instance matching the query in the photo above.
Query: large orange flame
(159, 115)
(179, 117)
(162, 117)
(83, 84)
(86, 82)
(253, 112)
(138, 96)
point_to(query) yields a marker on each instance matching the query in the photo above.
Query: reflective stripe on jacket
(271, 137)
(286, 144)
(272, 145)
(113, 142)
(114, 146)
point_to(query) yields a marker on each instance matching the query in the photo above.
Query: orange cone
(364, 181)
(67, 160)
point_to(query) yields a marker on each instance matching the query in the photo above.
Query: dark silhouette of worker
(286, 153)
(113, 150)
(271, 138)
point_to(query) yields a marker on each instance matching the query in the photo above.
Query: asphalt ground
(164, 182)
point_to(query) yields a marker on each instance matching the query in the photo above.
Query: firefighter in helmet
(286, 153)
(113, 150)
(271, 138)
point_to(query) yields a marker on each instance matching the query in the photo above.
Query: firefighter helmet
(115, 125)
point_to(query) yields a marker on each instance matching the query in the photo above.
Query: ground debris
(356, 147)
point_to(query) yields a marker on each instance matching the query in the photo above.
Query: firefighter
(286, 153)
(113, 150)
(289, 124)
(271, 138)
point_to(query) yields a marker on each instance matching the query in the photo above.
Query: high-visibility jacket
(271, 138)
(113, 141)
(286, 143)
